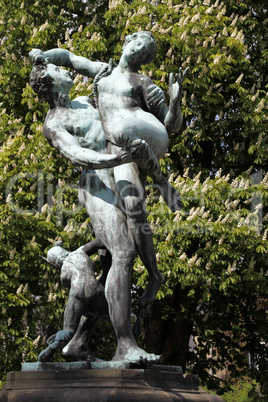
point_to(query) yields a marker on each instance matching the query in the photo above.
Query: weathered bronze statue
(121, 138)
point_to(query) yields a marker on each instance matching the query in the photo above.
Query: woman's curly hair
(104, 72)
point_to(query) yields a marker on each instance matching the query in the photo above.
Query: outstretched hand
(175, 84)
(37, 56)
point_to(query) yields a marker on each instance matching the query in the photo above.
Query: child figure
(86, 302)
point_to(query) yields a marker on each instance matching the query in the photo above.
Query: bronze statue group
(117, 138)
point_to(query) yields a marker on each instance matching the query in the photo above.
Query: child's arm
(92, 247)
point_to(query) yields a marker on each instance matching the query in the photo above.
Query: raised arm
(70, 148)
(173, 119)
(62, 57)
(170, 116)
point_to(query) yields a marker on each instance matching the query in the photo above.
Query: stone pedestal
(103, 385)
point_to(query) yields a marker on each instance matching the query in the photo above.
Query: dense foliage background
(214, 252)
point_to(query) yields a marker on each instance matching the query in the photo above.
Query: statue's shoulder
(53, 124)
(48, 123)
(79, 261)
(52, 119)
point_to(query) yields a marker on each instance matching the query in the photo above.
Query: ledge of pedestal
(103, 385)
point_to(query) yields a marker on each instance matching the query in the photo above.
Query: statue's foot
(154, 284)
(75, 353)
(137, 357)
(78, 353)
(171, 196)
(47, 354)
(51, 339)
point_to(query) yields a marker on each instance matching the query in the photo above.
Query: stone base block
(103, 385)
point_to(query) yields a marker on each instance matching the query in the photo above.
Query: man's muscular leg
(118, 294)
(130, 184)
(110, 224)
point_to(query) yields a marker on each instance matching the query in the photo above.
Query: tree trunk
(167, 331)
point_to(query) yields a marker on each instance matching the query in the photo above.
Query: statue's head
(51, 83)
(151, 47)
(57, 254)
(41, 82)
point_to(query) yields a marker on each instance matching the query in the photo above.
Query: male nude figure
(64, 131)
(129, 183)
